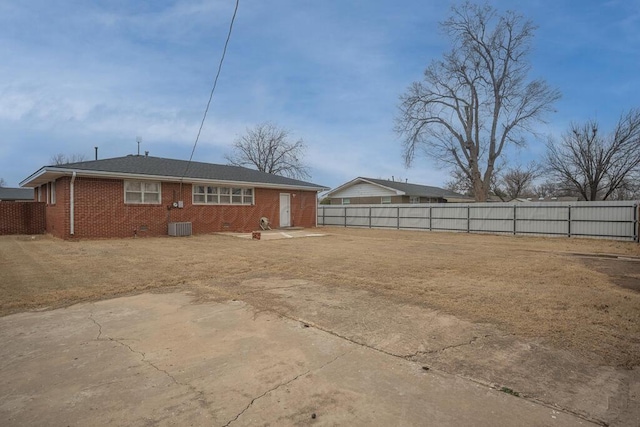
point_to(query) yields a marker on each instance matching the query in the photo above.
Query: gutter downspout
(71, 205)
(317, 195)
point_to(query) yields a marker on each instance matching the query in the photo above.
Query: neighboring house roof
(13, 194)
(547, 199)
(402, 189)
(146, 167)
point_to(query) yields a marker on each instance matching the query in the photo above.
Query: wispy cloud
(78, 74)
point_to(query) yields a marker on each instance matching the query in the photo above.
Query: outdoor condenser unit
(179, 229)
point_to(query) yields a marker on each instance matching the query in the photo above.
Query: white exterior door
(285, 210)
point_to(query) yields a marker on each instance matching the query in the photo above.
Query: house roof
(403, 189)
(7, 193)
(158, 168)
(547, 199)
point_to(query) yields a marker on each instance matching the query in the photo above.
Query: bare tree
(460, 183)
(593, 165)
(628, 190)
(477, 98)
(267, 148)
(547, 190)
(3, 183)
(63, 159)
(518, 181)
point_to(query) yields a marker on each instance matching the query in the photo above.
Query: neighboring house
(381, 191)
(140, 195)
(16, 194)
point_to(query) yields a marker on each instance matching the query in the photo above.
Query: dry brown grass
(531, 287)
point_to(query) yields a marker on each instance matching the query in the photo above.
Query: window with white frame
(346, 201)
(414, 199)
(207, 194)
(385, 199)
(142, 192)
(52, 192)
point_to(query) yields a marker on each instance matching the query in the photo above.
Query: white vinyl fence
(607, 220)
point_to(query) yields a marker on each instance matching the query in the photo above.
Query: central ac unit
(179, 229)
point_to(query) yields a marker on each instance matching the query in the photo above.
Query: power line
(215, 83)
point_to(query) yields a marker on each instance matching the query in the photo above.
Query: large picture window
(206, 194)
(142, 192)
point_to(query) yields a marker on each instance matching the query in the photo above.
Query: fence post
(468, 218)
(569, 222)
(430, 217)
(345, 216)
(636, 222)
(323, 220)
(514, 219)
(398, 219)
(369, 216)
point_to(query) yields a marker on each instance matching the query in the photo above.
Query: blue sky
(78, 74)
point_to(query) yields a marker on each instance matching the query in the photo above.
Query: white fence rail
(607, 220)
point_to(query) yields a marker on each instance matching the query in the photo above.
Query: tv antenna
(138, 140)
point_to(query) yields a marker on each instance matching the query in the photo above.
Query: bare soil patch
(529, 287)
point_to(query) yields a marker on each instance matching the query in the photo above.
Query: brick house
(141, 195)
(381, 191)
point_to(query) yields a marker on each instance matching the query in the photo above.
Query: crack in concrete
(200, 395)
(282, 385)
(97, 324)
(413, 356)
(131, 349)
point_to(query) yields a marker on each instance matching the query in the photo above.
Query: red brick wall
(22, 218)
(58, 213)
(100, 211)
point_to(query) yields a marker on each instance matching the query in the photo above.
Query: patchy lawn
(562, 291)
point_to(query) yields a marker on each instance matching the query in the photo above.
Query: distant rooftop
(14, 194)
(417, 189)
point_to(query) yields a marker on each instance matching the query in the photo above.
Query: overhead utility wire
(215, 83)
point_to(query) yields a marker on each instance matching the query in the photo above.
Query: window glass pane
(225, 199)
(236, 197)
(247, 200)
(132, 186)
(225, 190)
(152, 187)
(198, 198)
(212, 190)
(248, 191)
(151, 198)
(198, 189)
(212, 198)
(133, 198)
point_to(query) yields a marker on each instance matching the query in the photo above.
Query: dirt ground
(570, 294)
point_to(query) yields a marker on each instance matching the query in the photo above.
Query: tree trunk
(479, 189)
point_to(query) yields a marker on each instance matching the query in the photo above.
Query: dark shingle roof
(417, 190)
(7, 193)
(157, 166)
